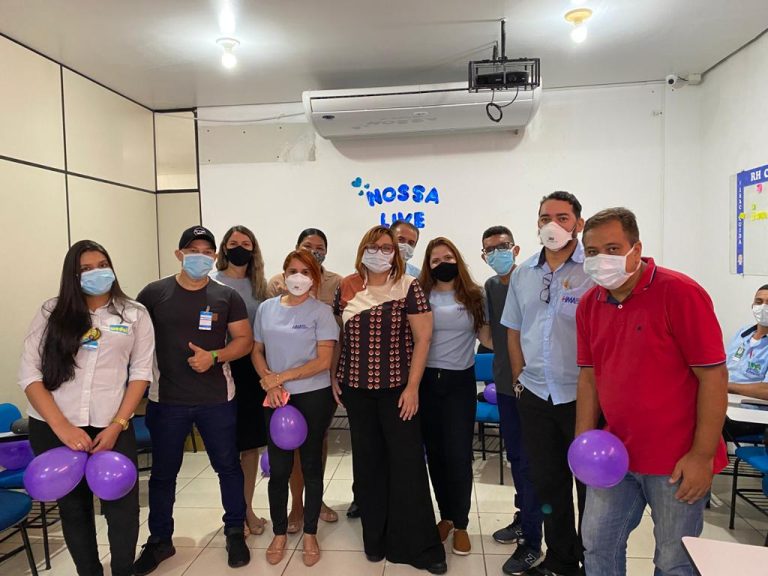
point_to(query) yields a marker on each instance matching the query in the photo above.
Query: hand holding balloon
(598, 459)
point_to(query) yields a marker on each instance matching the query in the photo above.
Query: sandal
(276, 550)
(328, 514)
(310, 556)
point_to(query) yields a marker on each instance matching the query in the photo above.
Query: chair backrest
(484, 367)
(8, 415)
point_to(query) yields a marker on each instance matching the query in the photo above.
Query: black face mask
(239, 256)
(445, 271)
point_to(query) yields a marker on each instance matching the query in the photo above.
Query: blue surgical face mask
(501, 261)
(97, 282)
(197, 266)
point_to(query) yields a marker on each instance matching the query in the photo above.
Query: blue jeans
(525, 495)
(169, 425)
(611, 514)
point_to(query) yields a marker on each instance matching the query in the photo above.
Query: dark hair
(410, 225)
(255, 269)
(311, 232)
(306, 258)
(763, 287)
(625, 217)
(370, 237)
(70, 318)
(466, 289)
(497, 231)
(565, 197)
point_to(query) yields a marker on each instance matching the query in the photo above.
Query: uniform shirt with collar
(123, 353)
(642, 351)
(547, 330)
(747, 358)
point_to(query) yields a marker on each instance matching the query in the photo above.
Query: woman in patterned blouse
(387, 329)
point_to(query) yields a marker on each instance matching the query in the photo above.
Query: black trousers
(391, 484)
(317, 407)
(548, 431)
(77, 511)
(447, 401)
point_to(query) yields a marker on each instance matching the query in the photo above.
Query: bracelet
(215, 355)
(122, 421)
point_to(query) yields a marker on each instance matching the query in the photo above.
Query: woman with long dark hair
(387, 328)
(240, 266)
(447, 394)
(294, 338)
(80, 351)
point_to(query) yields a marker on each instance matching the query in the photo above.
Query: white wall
(603, 144)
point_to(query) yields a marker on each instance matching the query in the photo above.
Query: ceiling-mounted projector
(502, 73)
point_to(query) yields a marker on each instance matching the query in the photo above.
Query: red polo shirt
(642, 351)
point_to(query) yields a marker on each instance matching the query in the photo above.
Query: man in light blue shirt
(407, 237)
(540, 314)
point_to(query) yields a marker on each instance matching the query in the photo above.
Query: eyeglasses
(503, 246)
(384, 248)
(544, 294)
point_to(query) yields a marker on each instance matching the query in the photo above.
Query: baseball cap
(196, 233)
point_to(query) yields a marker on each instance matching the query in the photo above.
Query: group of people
(586, 333)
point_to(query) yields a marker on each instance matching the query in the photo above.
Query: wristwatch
(122, 421)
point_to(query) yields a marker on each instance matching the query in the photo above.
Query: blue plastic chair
(9, 413)
(486, 414)
(143, 439)
(14, 509)
(757, 457)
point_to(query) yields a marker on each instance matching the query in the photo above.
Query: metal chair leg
(733, 492)
(46, 547)
(28, 547)
(194, 441)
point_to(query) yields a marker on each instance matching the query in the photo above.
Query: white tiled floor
(199, 537)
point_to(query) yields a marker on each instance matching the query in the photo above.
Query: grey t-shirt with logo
(290, 335)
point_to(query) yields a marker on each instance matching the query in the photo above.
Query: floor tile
(338, 563)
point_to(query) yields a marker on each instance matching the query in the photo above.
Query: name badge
(206, 320)
(739, 353)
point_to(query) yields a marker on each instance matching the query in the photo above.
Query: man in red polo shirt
(653, 364)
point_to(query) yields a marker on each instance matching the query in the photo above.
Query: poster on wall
(749, 223)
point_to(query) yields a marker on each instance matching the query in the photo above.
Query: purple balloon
(288, 428)
(598, 458)
(490, 393)
(54, 474)
(110, 475)
(264, 463)
(15, 455)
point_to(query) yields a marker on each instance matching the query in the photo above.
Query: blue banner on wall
(752, 177)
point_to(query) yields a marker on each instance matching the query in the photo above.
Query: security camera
(672, 80)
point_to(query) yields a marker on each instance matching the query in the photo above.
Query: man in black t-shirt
(193, 316)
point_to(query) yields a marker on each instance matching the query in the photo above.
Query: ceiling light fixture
(228, 58)
(578, 17)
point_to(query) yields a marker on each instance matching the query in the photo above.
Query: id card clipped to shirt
(206, 319)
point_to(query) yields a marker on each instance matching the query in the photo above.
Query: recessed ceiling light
(228, 58)
(578, 17)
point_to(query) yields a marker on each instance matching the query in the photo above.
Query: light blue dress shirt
(747, 358)
(547, 330)
(411, 270)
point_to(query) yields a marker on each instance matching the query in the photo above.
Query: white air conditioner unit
(430, 108)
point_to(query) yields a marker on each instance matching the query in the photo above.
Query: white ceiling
(162, 53)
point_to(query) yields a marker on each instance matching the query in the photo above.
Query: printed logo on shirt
(299, 327)
(754, 368)
(570, 300)
(119, 328)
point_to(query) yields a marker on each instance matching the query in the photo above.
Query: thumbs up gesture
(201, 360)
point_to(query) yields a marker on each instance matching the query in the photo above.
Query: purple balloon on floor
(110, 475)
(15, 455)
(598, 458)
(264, 463)
(287, 427)
(54, 474)
(490, 393)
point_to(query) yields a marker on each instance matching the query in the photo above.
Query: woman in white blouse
(86, 363)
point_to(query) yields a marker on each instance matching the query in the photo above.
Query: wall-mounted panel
(33, 218)
(176, 151)
(30, 106)
(175, 213)
(124, 221)
(108, 136)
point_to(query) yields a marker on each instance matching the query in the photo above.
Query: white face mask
(608, 271)
(298, 284)
(378, 262)
(760, 312)
(554, 237)
(406, 251)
